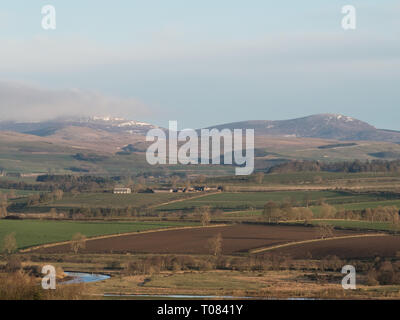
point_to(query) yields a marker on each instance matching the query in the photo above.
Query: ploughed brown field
(236, 239)
(354, 248)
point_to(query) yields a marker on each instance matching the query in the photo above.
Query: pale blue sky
(201, 62)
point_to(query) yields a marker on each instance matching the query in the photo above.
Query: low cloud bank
(19, 101)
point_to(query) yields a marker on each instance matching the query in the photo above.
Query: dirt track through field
(315, 240)
(56, 244)
(183, 199)
(363, 247)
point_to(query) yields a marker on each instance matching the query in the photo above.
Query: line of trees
(345, 166)
(20, 185)
(3, 205)
(384, 272)
(75, 183)
(35, 199)
(87, 212)
(380, 214)
(274, 212)
(388, 214)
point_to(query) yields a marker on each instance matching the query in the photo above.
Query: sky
(200, 62)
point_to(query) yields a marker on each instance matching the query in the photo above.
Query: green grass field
(39, 156)
(372, 204)
(19, 193)
(257, 200)
(298, 178)
(108, 200)
(35, 232)
(358, 206)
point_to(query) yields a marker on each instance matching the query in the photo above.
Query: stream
(81, 277)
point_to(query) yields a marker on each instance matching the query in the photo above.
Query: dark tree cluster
(90, 213)
(84, 183)
(384, 272)
(380, 214)
(36, 199)
(345, 166)
(20, 185)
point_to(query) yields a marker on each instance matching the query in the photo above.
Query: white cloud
(27, 102)
(55, 55)
(51, 54)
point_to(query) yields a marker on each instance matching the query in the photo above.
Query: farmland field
(305, 177)
(369, 204)
(355, 248)
(107, 200)
(236, 239)
(361, 225)
(19, 193)
(256, 215)
(257, 200)
(358, 206)
(33, 232)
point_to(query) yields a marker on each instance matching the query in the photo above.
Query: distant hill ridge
(49, 127)
(99, 145)
(324, 126)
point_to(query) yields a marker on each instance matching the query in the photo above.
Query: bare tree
(136, 187)
(307, 199)
(205, 218)
(78, 242)
(3, 206)
(272, 212)
(201, 178)
(3, 212)
(304, 214)
(318, 179)
(325, 230)
(3, 197)
(188, 183)
(174, 180)
(259, 176)
(58, 194)
(327, 211)
(12, 194)
(10, 243)
(53, 213)
(395, 222)
(215, 245)
(142, 181)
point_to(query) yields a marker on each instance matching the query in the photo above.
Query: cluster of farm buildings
(172, 190)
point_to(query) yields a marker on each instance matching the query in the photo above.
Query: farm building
(163, 190)
(122, 190)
